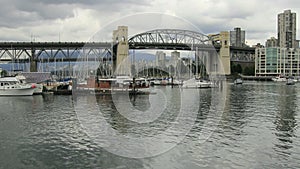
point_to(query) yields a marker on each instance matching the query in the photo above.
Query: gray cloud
(15, 13)
(79, 19)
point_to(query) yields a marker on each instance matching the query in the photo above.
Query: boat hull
(38, 89)
(17, 92)
(197, 86)
(291, 81)
(193, 83)
(279, 79)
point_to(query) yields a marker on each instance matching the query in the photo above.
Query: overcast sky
(78, 20)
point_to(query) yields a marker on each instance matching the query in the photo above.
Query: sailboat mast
(196, 61)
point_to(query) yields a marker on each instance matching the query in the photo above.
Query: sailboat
(198, 82)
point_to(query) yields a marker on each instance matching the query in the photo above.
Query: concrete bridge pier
(122, 64)
(224, 54)
(33, 62)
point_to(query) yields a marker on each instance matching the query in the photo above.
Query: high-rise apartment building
(272, 42)
(174, 58)
(283, 58)
(287, 30)
(237, 37)
(160, 59)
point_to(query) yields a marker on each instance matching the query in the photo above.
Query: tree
(252, 70)
(239, 68)
(249, 71)
(3, 73)
(233, 68)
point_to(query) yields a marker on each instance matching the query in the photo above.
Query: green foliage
(239, 68)
(236, 68)
(250, 71)
(233, 68)
(4, 73)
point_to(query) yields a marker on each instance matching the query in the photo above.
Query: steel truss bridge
(38, 50)
(165, 39)
(35, 52)
(171, 39)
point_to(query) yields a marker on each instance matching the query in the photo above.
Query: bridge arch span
(169, 39)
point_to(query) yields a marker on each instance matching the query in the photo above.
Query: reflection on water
(235, 108)
(258, 129)
(285, 121)
(286, 116)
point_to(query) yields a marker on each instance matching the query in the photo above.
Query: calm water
(258, 128)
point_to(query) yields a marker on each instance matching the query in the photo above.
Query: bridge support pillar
(225, 51)
(33, 62)
(122, 64)
(33, 66)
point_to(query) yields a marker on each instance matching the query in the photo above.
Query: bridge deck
(52, 45)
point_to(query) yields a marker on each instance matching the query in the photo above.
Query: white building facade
(277, 61)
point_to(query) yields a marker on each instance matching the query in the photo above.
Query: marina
(44, 131)
(133, 116)
(149, 85)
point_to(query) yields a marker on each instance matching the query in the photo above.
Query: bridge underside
(171, 46)
(160, 46)
(34, 52)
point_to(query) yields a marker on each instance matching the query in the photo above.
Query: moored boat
(119, 84)
(279, 78)
(38, 87)
(291, 81)
(238, 81)
(11, 86)
(197, 83)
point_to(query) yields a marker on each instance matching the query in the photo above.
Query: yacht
(11, 86)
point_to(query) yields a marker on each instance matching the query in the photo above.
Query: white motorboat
(196, 83)
(11, 86)
(238, 81)
(38, 87)
(279, 79)
(291, 81)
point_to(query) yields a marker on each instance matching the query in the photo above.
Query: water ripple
(258, 128)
